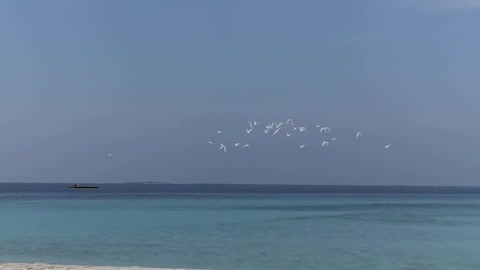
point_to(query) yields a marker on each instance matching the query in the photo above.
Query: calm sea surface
(231, 227)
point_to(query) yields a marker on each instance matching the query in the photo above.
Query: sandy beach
(44, 266)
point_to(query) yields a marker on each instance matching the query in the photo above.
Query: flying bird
(223, 147)
(387, 146)
(246, 145)
(325, 143)
(359, 134)
(237, 144)
(325, 129)
(289, 121)
(276, 131)
(219, 132)
(288, 134)
(302, 146)
(210, 142)
(256, 123)
(333, 139)
(110, 155)
(249, 130)
(302, 129)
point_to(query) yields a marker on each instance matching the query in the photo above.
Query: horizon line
(245, 184)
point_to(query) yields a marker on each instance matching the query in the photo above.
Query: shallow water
(198, 227)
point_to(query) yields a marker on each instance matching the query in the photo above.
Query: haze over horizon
(152, 81)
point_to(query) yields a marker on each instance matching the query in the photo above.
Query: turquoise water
(242, 231)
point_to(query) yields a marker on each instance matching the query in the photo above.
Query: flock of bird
(288, 128)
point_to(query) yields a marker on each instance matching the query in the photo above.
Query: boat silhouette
(79, 186)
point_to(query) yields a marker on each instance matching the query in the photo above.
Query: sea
(242, 227)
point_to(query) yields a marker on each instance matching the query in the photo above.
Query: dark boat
(79, 186)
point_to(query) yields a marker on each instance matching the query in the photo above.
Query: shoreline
(48, 266)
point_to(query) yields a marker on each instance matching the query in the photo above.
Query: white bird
(210, 142)
(256, 123)
(249, 130)
(318, 126)
(279, 124)
(289, 121)
(333, 139)
(250, 124)
(387, 146)
(219, 132)
(288, 134)
(266, 130)
(325, 129)
(302, 146)
(246, 145)
(276, 131)
(325, 143)
(237, 144)
(110, 155)
(302, 129)
(223, 147)
(359, 134)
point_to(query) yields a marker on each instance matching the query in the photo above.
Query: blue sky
(152, 81)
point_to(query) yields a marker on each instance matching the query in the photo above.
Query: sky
(152, 81)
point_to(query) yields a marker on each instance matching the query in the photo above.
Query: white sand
(44, 266)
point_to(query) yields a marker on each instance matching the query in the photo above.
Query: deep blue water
(242, 226)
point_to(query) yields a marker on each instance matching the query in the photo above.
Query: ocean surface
(242, 227)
